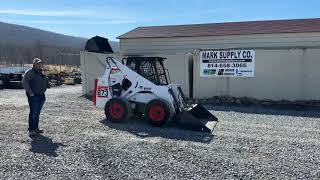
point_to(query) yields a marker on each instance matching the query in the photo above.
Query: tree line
(13, 54)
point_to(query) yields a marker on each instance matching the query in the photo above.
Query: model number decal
(102, 92)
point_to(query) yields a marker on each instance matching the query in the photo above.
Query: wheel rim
(116, 110)
(157, 113)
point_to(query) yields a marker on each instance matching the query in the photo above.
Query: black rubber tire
(158, 117)
(117, 110)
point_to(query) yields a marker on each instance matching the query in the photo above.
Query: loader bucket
(197, 118)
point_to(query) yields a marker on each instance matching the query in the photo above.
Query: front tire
(117, 110)
(158, 112)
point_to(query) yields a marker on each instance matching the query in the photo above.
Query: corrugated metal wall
(289, 74)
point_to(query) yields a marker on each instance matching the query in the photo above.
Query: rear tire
(158, 112)
(117, 110)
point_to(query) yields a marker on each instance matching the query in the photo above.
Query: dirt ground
(248, 143)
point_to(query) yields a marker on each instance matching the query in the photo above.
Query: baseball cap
(37, 61)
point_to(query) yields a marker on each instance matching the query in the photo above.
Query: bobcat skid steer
(140, 86)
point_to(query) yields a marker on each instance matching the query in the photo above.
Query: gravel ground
(248, 143)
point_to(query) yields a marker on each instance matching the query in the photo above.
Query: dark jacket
(34, 82)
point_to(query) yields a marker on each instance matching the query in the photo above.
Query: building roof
(223, 29)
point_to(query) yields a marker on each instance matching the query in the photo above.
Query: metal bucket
(197, 118)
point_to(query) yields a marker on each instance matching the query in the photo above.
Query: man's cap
(37, 61)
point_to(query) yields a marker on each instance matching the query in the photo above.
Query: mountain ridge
(25, 35)
(19, 44)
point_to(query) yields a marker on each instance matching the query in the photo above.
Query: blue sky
(111, 18)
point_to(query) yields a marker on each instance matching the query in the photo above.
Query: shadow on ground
(142, 129)
(44, 145)
(284, 110)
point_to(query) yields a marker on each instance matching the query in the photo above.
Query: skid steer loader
(140, 85)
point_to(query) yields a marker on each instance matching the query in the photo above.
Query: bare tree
(38, 47)
(27, 56)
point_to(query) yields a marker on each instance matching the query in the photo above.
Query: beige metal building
(284, 67)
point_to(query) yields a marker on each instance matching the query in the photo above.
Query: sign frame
(227, 62)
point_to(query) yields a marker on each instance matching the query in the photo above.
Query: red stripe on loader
(95, 92)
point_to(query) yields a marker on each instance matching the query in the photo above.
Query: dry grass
(49, 69)
(54, 69)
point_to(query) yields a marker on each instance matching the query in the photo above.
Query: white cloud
(41, 13)
(106, 14)
(65, 22)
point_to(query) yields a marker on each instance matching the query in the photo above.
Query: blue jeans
(35, 104)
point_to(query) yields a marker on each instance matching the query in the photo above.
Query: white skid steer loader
(140, 85)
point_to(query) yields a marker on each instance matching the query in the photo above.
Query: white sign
(228, 63)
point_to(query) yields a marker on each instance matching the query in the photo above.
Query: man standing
(35, 83)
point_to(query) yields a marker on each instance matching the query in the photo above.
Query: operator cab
(151, 68)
